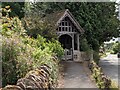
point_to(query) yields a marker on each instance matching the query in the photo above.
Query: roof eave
(77, 24)
(69, 14)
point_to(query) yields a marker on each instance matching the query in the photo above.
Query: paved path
(110, 67)
(75, 76)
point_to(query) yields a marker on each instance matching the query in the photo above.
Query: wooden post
(78, 43)
(65, 54)
(73, 47)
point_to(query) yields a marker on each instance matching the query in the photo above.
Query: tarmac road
(110, 66)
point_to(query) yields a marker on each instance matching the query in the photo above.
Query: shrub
(20, 53)
(84, 46)
(102, 81)
(114, 86)
(116, 47)
(96, 56)
(35, 24)
(15, 54)
(14, 60)
(56, 47)
(9, 56)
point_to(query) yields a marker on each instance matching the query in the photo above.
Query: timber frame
(68, 31)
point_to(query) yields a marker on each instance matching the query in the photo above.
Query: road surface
(110, 66)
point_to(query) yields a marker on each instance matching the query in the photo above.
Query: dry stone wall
(38, 79)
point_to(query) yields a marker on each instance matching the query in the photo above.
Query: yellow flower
(7, 7)
(8, 18)
(9, 10)
(3, 9)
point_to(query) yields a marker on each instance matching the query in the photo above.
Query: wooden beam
(73, 46)
(78, 43)
(65, 32)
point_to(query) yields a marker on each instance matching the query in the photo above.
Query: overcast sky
(117, 1)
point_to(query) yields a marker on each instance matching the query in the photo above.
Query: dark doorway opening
(66, 41)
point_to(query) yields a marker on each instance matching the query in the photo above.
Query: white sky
(112, 41)
(117, 1)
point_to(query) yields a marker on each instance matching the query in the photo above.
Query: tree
(99, 20)
(116, 47)
(35, 22)
(17, 9)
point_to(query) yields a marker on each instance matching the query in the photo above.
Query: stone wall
(35, 79)
(82, 56)
(77, 56)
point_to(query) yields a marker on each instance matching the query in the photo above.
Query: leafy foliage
(16, 7)
(99, 20)
(96, 56)
(15, 60)
(11, 25)
(84, 45)
(116, 47)
(102, 80)
(35, 24)
(22, 53)
(55, 47)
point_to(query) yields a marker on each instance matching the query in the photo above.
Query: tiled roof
(54, 17)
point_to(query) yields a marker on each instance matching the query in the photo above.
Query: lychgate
(68, 31)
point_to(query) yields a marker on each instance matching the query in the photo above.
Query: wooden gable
(64, 16)
(66, 25)
(67, 20)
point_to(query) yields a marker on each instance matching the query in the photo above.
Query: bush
(35, 24)
(116, 47)
(9, 56)
(20, 53)
(15, 55)
(102, 81)
(15, 60)
(56, 47)
(84, 46)
(11, 26)
(96, 56)
(114, 85)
